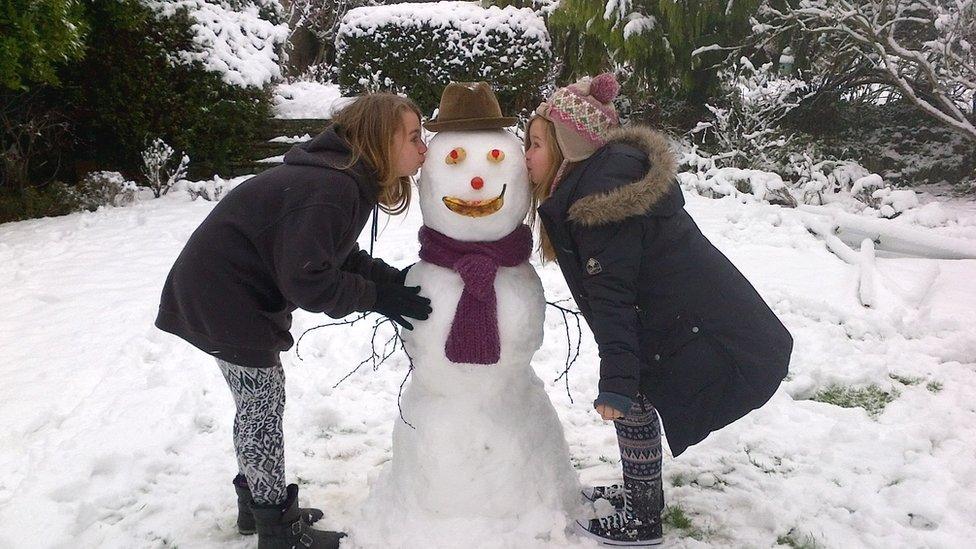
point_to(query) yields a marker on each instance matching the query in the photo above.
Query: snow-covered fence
(419, 48)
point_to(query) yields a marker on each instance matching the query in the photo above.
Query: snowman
(483, 441)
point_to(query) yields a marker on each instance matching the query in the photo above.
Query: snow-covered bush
(210, 190)
(105, 189)
(161, 168)
(746, 126)
(195, 73)
(802, 179)
(239, 40)
(419, 48)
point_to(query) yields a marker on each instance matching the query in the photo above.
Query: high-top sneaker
(245, 518)
(637, 523)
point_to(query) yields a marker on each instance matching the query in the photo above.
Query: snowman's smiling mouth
(475, 208)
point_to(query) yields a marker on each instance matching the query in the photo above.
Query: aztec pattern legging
(259, 394)
(639, 438)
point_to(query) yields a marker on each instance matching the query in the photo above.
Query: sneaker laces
(628, 502)
(615, 521)
(614, 490)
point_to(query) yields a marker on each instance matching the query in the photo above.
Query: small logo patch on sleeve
(593, 266)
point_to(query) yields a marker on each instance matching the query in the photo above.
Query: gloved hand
(396, 301)
(402, 277)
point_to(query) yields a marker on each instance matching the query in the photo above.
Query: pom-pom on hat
(582, 114)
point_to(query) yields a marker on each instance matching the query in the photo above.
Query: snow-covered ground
(307, 100)
(114, 434)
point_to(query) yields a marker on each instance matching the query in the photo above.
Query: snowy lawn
(114, 434)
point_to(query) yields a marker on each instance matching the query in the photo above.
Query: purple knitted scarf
(474, 331)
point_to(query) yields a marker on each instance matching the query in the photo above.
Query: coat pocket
(661, 341)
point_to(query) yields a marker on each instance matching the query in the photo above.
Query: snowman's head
(474, 186)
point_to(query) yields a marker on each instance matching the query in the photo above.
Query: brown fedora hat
(469, 106)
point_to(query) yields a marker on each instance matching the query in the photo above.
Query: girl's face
(538, 159)
(408, 146)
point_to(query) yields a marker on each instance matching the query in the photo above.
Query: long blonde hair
(370, 125)
(542, 189)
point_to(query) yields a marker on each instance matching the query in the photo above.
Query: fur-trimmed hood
(636, 198)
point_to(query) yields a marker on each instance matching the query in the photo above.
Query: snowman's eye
(456, 155)
(496, 155)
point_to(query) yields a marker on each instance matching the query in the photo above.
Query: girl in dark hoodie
(282, 240)
(680, 331)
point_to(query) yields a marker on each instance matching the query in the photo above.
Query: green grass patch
(906, 380)
(872, 398)
(934, 386)
(675, 518)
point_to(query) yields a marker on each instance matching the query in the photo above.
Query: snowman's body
(485, 441)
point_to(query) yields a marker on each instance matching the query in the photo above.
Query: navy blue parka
(672, 316)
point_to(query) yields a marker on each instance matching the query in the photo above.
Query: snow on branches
(158, 169)
(924, 50)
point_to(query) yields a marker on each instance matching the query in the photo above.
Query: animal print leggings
(639, 438)
(259, 394)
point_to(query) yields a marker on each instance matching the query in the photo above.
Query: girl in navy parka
(680, 331)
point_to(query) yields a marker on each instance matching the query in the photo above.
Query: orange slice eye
(495, 155)
(456, 155)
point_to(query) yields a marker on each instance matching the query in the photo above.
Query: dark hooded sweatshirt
(282, 240)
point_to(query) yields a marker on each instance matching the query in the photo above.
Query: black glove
(401, 277)
(396, 301)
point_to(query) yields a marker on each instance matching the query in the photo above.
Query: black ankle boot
(637, 523)
(245, 519)
(282, 527)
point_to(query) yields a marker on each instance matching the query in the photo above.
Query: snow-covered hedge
(240, 40)
(419, 48)
(149, 73)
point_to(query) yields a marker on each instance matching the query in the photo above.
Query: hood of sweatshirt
(330, 150)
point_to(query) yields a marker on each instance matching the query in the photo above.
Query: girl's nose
(477, 183)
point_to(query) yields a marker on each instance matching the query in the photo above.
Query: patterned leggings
(639, 438)
(259, 394)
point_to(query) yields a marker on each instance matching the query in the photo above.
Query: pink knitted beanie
(582, 114)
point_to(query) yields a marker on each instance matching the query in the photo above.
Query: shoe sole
(612, 543)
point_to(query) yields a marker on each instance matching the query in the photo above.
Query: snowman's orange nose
(477, 183)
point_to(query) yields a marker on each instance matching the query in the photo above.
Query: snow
(307, 100)
(462, 15)
(467, 20)
(237, 44)
(638, 24)
(119, 435)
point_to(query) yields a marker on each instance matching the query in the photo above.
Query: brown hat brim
(471, 124)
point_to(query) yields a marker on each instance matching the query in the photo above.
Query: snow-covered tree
(35, 37)
(921, 50)
(660, 42)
